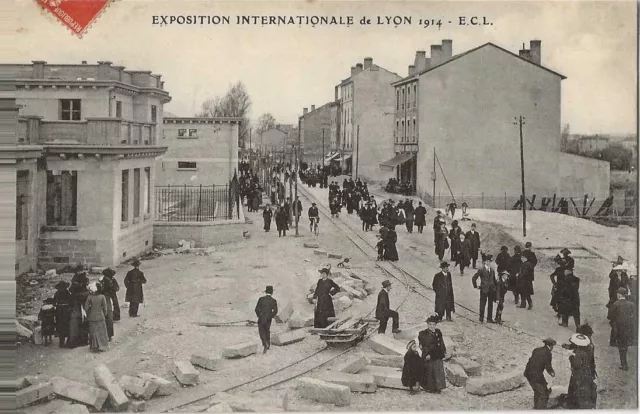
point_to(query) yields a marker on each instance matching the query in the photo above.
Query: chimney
(368, 61)
(84, 62)
(336, 93)
(354, 70)
(38, 69)
(412, 70)
(535, 47)
(420, 61)
(447, 49)
(304, 111)
(436, 55)
(358, 67)
(120, 69)
(103, 70)
(313, 108)
(161, 84)
(524, 53)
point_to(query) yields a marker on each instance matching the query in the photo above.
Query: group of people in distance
(464, 247)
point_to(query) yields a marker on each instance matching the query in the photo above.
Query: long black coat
(324, 290)
(569, 296)
(502, 261)
(432, 344)
(413, 369)
(454, 235)
(465, 253)
(266, 308)
(133, 281)
(443, 287)
(525, 280)
(267, 215)
(474, 243)
(419, 216)
(515, 264)
(383, 306)
(622, 320)
(539, 362)
(390, 250)
(282, 219)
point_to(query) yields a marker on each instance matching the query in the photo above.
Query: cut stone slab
(386, 377)
(290, 337)
(165, 387)
(335, 256)
(72, 409)
(137, 406)
(452, 347)
(310, 245)
(82, 393)
(394, 361)
(284, 313)
(455, 374)
(137, 387)
(299, 321)
(386, 345)
(353, 293)
(185, 373)
(493, 384)
(222, 407)
(29, 321)
(240, 351)
(22, 331)
(210, 362)
(342, 303)
(104, 379)
(33, 393)
(355, 382)
(369, 288)
(472, 368)
(324, 392)
(353, 365)
(320, 252)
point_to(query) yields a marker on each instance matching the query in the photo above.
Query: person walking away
(622, 320)
(384, 311)
(557, 279)
(133, 281)
(531, 257)
(281, 221)
(617, 279)
(47, 317)
(454, 235)
(267, 215)
(313, 214)
(322, 298)
(390, 250)
(474, 243)
(77, 316)
(413, 372)
(525, 282)
(539, 362)
(108, 320)
(582, 392)
(110, 289)
(452, 208)
(96, 308)
(443, 287)
(442, 242)
(464, 253)
(298, 211)
(420, 217)
(515, 265)
(502, 259)
(502, 285)
(569, 298)
(409, 215)
(266, 310)
(434, 351)
(62, 302)
(288, 212)
(436, 221)
(487, 287)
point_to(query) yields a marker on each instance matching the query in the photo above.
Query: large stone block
(82, 393)
(410, 332)
(320, 252)
(342, 303)
(33, 393)
(105, 380)
(335, 256)
(300, 321)
(324, 392)
(210, 362)
(472, 368)
(137, 387)
(386, 377)
(137, 406)
(355, 382)
(394, 361)
(284, 313)
(290, 337)
(452, 347)
(185, 373)
(493, 384)
(353, 364)
(68, 408)
(240, 351)
(386, 345)
(369, 288)
(455, 374)
(353, 293)
(165, 387)
(311, 245)
(22, 331)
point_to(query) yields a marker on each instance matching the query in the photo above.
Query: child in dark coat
(47, 316)
(380, 247)
(413, 369)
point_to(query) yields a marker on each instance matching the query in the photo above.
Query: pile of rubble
(184, 247)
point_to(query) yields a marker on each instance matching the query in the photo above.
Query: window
(154, 113)
(62, 198)
(136, 193)
(187, 165)
(118, 109)
(147, 192)
(414, 130)
(22, 204)
(402, 131)
(415, 96)
(70, 109)
(193, 133)
(397, 99)
(402, 101)
(408, 97)
(182, 133)
(124, 213)
(397, 130)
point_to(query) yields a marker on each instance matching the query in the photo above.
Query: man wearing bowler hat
(539, 362)
(487, 287)
(266, 310)
(443, 287)
(384, 312)
(133, 281)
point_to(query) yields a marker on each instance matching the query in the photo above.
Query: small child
(413, 370)
(380, 246)
(48, 317)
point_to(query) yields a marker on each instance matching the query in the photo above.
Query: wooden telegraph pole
(357, 150)
(519, 121)
(322, 149)
(433, 178)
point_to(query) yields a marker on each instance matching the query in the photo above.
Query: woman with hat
(77, 316)
(109, 315)
(582, 392)
(322, 300)
(441, 240)
(617, 279)
(110, 288)
(133, 281)
(454, 235)
(413, 368)
(569, 298)
(515, 265)
(62, 302)
(390, 250)
(443, 288)
(96, 308)
(267, 215)
(433, 352)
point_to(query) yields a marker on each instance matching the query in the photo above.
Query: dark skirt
(390, 252)
(77, 331)
(109, 318)
(98, 337)
(434, 372)
(62, 320)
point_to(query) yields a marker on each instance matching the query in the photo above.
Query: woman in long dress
(325, 289)
(102, 289)
(390, 251)
(433, 352)
(413, 368)
(62, 300)
(77, 326)
(582, 392)
(96, 307)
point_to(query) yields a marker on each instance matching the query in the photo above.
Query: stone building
(315, 134)
(200, 151)
(86, 143)
(592, 143)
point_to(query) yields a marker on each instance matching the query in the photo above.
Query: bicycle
(314, 225)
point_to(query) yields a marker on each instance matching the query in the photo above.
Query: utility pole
(295, 203)
(357, 150)
(323, 149)
(433, 178)
(520, 122)
(250, 149)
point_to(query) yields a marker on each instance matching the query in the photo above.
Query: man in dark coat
(133, 281)
(623, 326)
(384, 312)
(323, 302)
(569, 298)
(110, 288)
(525, 282)
(474, 243)
(454, 235)
(266, 310)
(62, 300)
(267, 215)
(515, 264)
(539, 362)
(487, 287)
(443, 287)
(313, 214)
(531, 256)
(503, 259)
(617, 279)
(420, 216)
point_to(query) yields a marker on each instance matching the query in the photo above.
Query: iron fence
(196, 203)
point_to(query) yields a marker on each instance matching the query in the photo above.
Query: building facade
(201, 151)
(367, 101)
(592, 143)
(315, 134)
(85, 196)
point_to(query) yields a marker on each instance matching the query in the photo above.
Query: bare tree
(266, 122)
(236, 103)
(564, 137)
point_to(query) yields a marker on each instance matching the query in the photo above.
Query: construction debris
(240, 350)
(290, 337)
(324, 392)
(311, 245)
(355, 382)
(165, 387)
(33, 393)
(209, 362)
(105, 380)
(284, 313)
(386, 345)
(353, 365)
(82, 393)
(493, 384)
(185, 373)
(386, 377)
(455, 374)
(393, 361)
(137, 387)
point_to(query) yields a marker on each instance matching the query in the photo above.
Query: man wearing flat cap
(539, 362)
(133, 281)
(384, 312)
(443, 288)
(266, 310)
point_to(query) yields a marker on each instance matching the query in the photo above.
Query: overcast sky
(289, 67)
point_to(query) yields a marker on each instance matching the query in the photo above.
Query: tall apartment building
(315, 134)
(87, 139)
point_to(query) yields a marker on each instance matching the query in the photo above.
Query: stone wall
(59, 253)
(134, 241)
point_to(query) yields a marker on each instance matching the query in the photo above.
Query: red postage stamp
(77, 15)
